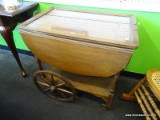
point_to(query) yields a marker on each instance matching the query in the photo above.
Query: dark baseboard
(132, 75)
(18, 50)
(123, 73)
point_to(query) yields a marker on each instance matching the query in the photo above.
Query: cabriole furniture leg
(7, 34)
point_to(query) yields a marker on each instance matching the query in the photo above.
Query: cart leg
(108, 101)
(130, 96)
(39, 64)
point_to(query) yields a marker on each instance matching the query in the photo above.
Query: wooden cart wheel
(54, 86)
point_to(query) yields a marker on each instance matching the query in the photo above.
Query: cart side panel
(78, 57)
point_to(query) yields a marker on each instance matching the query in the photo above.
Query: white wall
(140, 5)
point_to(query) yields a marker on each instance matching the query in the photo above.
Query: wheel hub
(52, 88)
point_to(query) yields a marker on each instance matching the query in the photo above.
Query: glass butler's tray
(99, 28)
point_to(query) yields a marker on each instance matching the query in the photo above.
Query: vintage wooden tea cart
(85, 51)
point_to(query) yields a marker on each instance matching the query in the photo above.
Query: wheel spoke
(46, 89)
(63, 90)
(60, 84)
(44, 84)
(52, 80)
(45, 79)
(62, 94)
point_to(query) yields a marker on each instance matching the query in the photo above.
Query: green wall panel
(17, 39)
(145, 57)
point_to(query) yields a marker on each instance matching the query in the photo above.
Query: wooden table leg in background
(7, 34)
(8, 22)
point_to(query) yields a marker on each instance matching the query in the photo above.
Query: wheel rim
(54, 86)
